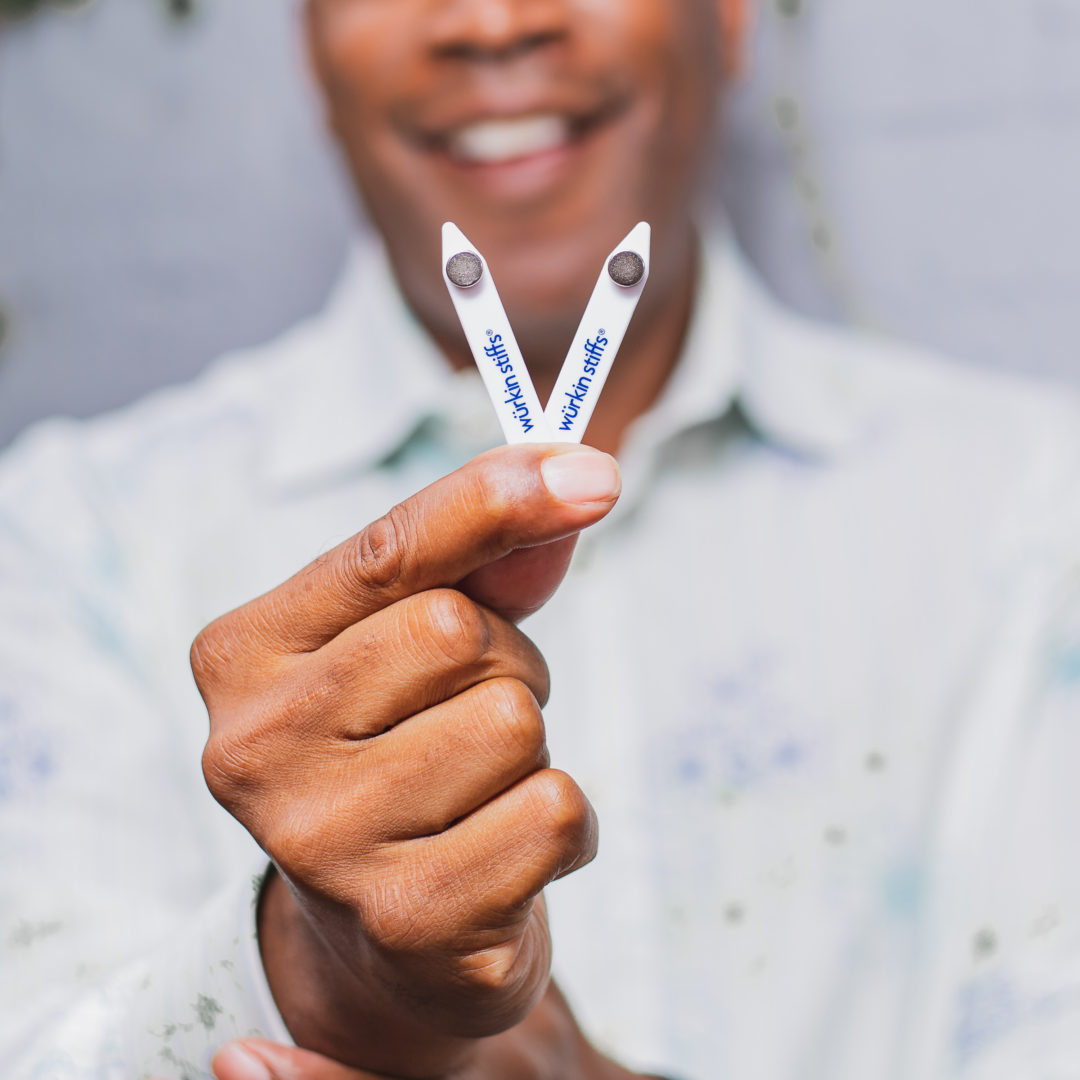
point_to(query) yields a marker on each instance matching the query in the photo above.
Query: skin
(376, 725)
(647, 74)
(376, 720)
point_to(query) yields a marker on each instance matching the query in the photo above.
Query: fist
(375, 723)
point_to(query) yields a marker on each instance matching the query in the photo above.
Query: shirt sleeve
(167, 1014)
(127, 932)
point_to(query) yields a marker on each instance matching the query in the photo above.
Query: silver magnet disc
(465, 269)
(626, 268)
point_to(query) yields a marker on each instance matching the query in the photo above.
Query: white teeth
(493, 141)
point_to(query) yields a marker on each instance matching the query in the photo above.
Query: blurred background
(166, 190)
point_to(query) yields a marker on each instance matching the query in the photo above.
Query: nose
(493, 30)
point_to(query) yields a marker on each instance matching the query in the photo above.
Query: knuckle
(493, 494)
(539, 673)
(493, 972)
(377, 555)
(563, 808)
(514, 714)
(209, 654)
(511, 698)
(226, 655)
(456, 627)
(230, 765)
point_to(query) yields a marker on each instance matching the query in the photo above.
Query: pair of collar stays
(589, 361)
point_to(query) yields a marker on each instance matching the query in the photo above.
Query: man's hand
(547, 1045)
(375, 724)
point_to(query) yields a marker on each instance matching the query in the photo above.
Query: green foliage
(13, 9)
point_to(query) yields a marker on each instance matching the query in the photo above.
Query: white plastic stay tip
(596, 344)
(494, 348)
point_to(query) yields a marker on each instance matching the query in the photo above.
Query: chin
(553, 267)
(546, 301)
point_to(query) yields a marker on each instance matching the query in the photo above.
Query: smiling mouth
(503, 140)
(495, 142)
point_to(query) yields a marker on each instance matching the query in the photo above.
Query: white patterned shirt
(819, 673)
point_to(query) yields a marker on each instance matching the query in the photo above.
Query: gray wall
(166, 191)
(925, 177)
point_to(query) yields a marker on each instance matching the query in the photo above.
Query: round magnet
(465, 269)
(626, 268)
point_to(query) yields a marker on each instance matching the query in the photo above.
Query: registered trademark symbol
(602, 331)
(488, 332)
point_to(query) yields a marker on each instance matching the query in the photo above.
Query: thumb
(257, 1059)
(523, 580)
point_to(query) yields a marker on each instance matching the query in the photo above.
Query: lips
(497, 141)
(514, 127)
(510, 146)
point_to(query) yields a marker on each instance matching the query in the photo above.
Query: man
(816, 668)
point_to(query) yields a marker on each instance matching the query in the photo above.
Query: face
(544, 128)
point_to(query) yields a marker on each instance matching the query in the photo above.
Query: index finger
(508, 498)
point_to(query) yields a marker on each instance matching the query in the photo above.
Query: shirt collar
(793, 379)
(349, 387)
(806, 387)
(346, 388)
